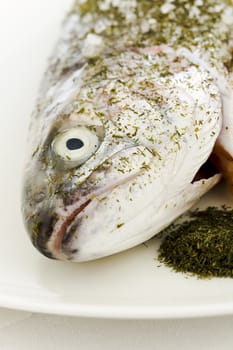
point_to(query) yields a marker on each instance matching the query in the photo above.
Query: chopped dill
(202, 245)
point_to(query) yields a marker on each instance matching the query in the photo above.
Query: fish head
(120, 143)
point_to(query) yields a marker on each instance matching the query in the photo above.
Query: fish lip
(39, 225)
(58, 243)
(56, 247)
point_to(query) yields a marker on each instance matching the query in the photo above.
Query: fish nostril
(39, 196)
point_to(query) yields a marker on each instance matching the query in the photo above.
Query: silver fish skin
(136, 98)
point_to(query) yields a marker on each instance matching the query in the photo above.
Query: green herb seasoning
(202, 245)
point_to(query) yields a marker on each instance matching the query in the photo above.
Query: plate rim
(120, 311)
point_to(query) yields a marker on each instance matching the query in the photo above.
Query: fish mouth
(58, 245)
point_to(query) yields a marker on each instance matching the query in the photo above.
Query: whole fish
(134, 123)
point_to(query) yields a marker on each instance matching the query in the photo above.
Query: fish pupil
(74, 144)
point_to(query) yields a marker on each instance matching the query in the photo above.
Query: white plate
(128, 285)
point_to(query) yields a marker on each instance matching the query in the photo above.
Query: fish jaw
(103, 237)
(67, 226)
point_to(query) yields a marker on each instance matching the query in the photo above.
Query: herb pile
(201, 246)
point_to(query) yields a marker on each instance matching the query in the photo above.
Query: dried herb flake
(202, 245)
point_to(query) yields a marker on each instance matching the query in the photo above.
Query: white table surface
(23, 330)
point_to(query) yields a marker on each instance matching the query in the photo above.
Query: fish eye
(76, 145)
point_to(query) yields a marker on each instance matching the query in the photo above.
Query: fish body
(136, 98)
